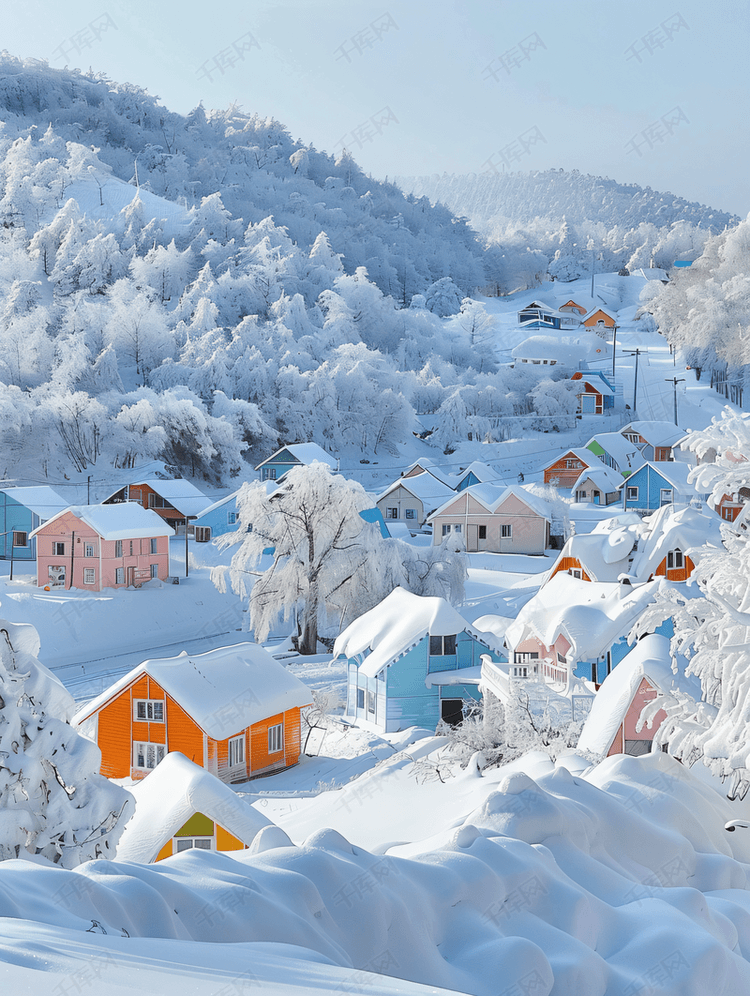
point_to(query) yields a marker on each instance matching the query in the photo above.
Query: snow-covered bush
(53, 801)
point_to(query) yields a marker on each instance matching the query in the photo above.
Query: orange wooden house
(234, 711)
(565, 470)
(600, 319)
(174, 500)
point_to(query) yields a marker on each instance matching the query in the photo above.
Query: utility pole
(188, 520)
(88, 490)
(675, 381)
(636, 353)
(614, 349)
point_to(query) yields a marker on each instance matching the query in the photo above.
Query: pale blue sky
(452, 86)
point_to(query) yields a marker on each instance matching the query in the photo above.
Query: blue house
(538, 315)
(476, 473)
(657, 484)
(23, 509)
(274, 467)
(217, 519)
(411, 662)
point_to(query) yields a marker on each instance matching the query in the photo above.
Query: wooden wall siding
(225, 841)
(293, 735)
(567, 476)
(676, 574)
(114, 737)
(259, 756)
(184, 734)
(569, 563)
(165, 852)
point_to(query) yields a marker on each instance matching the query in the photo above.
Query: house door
(472, 538)
(588, 404)
(452, 711)
(130, 576)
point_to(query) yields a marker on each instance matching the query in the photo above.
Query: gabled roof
(173, 792)
(596, 379)
(181, 494)
(223, 690)
(656, 433)
(603, 553)
(650, 658)
(604, 478)
(591, 616)
(482, 471)
(587, 458)
(425, 486)
(41, 499)
(626, 454)
(565, 349)
(673, 472)
(492, 496)
(686, 529)
(268, 486)
(397, 624)
(304, 453)
(596, 309)
(126, 520)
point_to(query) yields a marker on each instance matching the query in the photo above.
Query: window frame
(89, 575)
(443, 652)
(158, 748)
(118, 548)
(236, 746)
(629, 489)
(276, 735)
(149, 706)
(119, 575)
(58, 549)
(391, 513)
(182, 844)
(89, 547)
(506, 530)
(410, 513)
(20, 532)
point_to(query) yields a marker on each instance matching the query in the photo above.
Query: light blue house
(657, 484)
(217, 519)
(476, 473)
(411, 662)
(23, 509)
(274, 467)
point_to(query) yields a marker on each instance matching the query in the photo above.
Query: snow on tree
(443, 298)
(53, 801)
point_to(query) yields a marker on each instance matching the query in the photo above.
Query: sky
(653, 92)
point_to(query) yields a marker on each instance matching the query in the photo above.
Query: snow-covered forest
(560, 218)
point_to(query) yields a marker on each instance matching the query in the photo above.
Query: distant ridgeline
(557, 212)
(200, 289)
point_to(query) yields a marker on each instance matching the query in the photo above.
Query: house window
(675, 560)
(576, 572)
(202, 535)
(666, 496)
(135, 494)
(410, 513)
(525, 656)
(20, 539)
(275, 738)
(89, 550)
(506, 531)
(482, 531)
(632, 493)
(269, 473)
(119, 575)
(446, 528)
(154, 568)
(89, 575)
(118, 548)
(147, 756)
(391, 513)
(187, 843)
(231, 518)
(442, 646)
(236, 751)
(58, 549)
(371, 703)
(521, 672)
(149, 710)
(153, 545)
(360, 698)
(131, 548)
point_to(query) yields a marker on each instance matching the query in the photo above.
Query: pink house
(614, 724)
(495, 518)
(102, 546)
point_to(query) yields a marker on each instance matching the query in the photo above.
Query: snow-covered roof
(223, 690)
(173, 792)
(268, 486)
(605, 550)
(492, 496)
(125, 520)
(397, 624)
(604, 478)
(426, 487)
(183, 495)
(306, 453)
(40, 499)
(657, 433)
(687, 529)
(482, 471)
(623, 452)
(674, 472)
(565, 349)
(587, 458)
(649, 658)
(590, 615)
(597, 380)
(599, 307)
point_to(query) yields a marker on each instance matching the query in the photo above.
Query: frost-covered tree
(53, 801)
